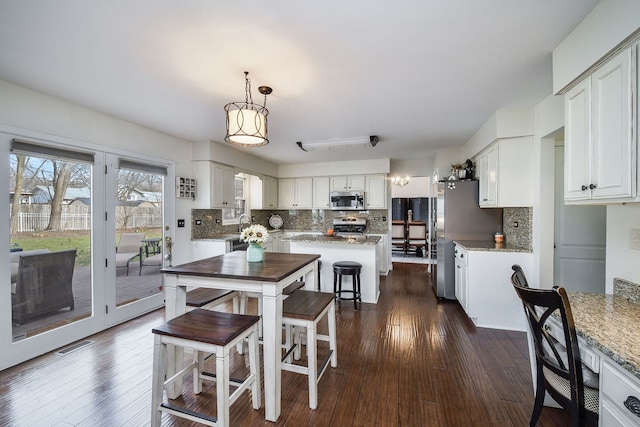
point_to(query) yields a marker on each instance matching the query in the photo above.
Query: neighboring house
(26, 198)
(43, 194)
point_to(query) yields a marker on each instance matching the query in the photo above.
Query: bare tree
(61, 178)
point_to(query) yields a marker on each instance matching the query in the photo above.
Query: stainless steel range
(349, 226)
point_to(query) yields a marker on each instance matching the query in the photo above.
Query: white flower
(255, 234)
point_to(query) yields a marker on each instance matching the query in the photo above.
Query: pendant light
(246, 121)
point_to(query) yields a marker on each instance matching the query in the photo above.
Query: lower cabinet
(617, 390)
(484, 290)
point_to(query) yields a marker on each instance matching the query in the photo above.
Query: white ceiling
(420, 74)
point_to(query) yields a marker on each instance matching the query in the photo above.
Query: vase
(255, 252)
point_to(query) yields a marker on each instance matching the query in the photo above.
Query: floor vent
(74, 347)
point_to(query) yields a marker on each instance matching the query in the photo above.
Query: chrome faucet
(240, 221)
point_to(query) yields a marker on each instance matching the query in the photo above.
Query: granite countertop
(489, 246)
(315, 238)
(611, 324)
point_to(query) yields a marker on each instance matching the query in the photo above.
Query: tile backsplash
(316, 220)
(520, 235)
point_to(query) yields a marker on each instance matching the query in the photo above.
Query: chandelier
(400, 180)
(246, 121)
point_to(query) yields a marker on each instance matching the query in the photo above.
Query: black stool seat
(347, 268)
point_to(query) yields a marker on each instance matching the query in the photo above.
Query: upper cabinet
(222, 186)
(269, 192)
(321, 198)
(600, 144)
(504, 170)
(295, 193)
(348, 183)
(376, 192)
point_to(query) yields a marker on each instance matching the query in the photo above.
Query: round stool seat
(347, 268)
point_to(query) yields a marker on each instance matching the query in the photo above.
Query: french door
(68, 208)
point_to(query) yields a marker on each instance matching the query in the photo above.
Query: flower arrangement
(255, 233)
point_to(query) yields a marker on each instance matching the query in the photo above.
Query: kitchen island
(332, 249)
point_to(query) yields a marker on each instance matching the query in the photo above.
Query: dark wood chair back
(518, 277)
(559, 369)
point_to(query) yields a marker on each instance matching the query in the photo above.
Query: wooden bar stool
(347, 268)
(209, 298)
(205, 331)
(305, 309)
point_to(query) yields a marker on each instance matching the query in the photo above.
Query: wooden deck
(129, 288)
(409, 360)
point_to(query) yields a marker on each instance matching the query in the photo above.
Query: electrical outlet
(180, 223)
(198, 222)
(515, 224)
(635, 239)
(218, 221)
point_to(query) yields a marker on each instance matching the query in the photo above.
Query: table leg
(311, 278)
(272, 340)
(175, 305)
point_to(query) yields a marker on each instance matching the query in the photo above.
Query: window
(231, 216)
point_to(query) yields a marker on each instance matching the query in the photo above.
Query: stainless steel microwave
(347, 201)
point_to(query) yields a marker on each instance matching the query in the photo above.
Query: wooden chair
(399, 236)
(417, 237)
(559, 369)
(304, 310)
(518, 277)
(205, 331)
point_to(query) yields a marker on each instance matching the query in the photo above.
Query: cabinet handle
(484, 200)
(584, 188)
(592, 186)
(633, 404)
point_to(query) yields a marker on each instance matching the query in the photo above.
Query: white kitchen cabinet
(505, 170)
(461, 277)
(489, 299)
(295, 193)
(600, 145)
(616, 387)
(321, 199)
(222, 186)
(376, 192)
(274, 242)
(382, 253)
(487, 164)
(207, 248)
(269, 192)
(348, 183)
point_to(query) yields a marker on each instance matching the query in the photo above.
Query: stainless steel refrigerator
(459, 218)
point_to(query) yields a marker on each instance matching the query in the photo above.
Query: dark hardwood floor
(409, 360)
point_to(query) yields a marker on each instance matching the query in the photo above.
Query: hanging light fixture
(400, 181)
(246, 121)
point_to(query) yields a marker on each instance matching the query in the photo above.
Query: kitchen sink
(238, 245)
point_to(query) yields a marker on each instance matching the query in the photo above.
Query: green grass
(58, 241)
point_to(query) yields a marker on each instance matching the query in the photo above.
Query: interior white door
(580, 240)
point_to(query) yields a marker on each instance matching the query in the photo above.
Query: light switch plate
(635, 238)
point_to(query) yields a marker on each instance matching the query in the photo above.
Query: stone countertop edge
(322, 239)
(489, 246)
(610, 324)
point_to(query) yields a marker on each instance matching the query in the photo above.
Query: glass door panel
(138, 212)
(50, 240)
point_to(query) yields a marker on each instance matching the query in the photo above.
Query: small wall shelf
(185, 188)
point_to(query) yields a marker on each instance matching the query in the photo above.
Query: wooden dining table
(232, 271)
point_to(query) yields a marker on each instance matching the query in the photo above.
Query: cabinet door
(338, 183)
(222, 186)
(321, 192)
(286, 193)
(269, 192)
(356, 183)
(488, 173)
(612, 138)
(304, 193)
(577, 142)
(376, 192)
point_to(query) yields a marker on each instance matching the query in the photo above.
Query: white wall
(622, 261)
(419, 186)
(241, 160)
(375, 166)
(23, 108)
(445, 158)
(412, 167)
(608, 24)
